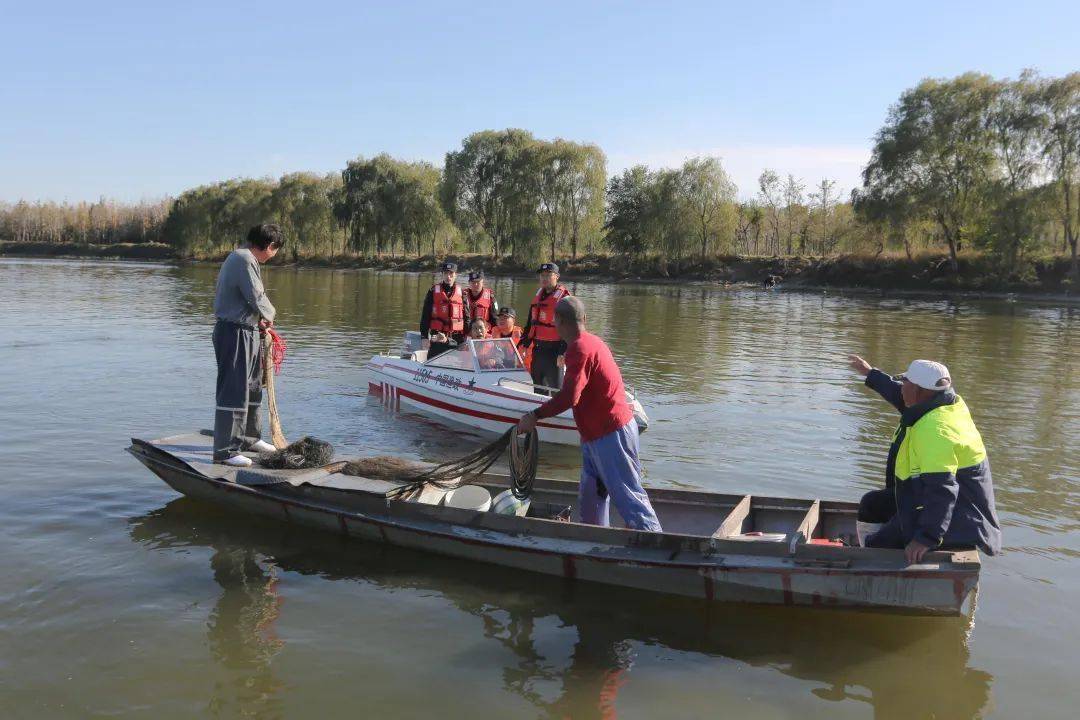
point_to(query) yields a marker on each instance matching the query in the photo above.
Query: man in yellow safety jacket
(938, 489)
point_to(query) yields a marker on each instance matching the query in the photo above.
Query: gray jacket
(240, 296)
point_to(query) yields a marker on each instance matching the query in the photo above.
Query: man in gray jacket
(242, 311)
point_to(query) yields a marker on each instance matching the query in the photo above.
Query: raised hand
(859, 365)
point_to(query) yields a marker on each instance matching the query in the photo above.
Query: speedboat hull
(482, 385)
(459, 398)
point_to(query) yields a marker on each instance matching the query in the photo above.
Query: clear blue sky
(133, 100)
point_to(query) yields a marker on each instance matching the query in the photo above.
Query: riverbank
(118, 251)
(977, 273)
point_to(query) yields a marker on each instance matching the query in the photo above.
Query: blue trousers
(611, 472)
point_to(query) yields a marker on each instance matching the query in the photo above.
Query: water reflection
(900, 667)
(241, 635)
(240, 628)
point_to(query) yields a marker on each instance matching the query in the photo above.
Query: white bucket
(506, 504)
(468, 497)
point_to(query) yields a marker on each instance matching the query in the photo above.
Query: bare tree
(793, 200)
(770, 192)
(825, 200)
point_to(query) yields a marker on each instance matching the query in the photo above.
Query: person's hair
(265, 236)
(571, 310)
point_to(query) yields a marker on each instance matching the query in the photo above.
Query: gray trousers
(237, 421)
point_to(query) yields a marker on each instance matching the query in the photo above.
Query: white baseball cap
(928, 374)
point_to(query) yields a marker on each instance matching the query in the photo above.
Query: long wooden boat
(716, 547)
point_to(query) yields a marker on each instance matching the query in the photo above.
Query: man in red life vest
(547, 347)
(610, 468)
(445, 311)
(482, 302)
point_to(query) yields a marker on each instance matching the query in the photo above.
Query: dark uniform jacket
(940, 474)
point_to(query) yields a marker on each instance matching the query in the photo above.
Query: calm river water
(118, 597)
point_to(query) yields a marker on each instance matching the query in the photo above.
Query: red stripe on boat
(458, 383)
(471, 413)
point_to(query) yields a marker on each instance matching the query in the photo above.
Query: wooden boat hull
(686, 565)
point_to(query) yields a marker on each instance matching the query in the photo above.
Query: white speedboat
(482, 384)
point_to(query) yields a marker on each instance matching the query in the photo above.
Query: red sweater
(593, 387)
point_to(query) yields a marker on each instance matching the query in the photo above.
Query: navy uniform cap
(508, 311)
(448, 266)
(476, 275)
(549, 267)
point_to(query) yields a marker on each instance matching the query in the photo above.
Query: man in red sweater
(593, 387)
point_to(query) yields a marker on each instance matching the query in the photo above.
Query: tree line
(101, 223)
(970, 162)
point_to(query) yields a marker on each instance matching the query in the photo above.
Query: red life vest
(542, 314)
(480, 307)
(447, 311)
(514, 334)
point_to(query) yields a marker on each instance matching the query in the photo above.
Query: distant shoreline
(888, 275)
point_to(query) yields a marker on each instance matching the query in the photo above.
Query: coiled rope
(524, 457)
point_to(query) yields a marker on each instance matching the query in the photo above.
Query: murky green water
(117, 597)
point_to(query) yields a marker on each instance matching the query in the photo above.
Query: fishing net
(307, 452)
(311, 452)
(455, 473)
(383, 467)
(414, 477)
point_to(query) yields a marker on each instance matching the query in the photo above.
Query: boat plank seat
(810, 521)
(737, 521)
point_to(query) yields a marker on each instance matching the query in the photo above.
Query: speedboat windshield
(496, 354)
(481, 356)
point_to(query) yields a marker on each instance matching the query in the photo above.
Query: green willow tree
(484, 187)
(1059, 102)
(671, 213)
(1016, 200)
(519, 191)
(386, 203)
(302, 203)
(710, 198)
(935, 155)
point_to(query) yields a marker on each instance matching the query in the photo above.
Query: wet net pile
(307, 452)
(413, 476)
